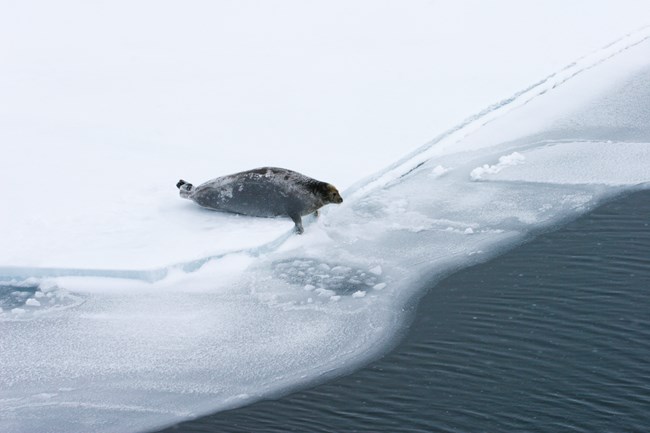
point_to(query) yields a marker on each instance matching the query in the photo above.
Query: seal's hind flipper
(181, 183)
(185, 188)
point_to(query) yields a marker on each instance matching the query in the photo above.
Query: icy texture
(140, 350)
(514, 158)
(608, 163)
(103, 107)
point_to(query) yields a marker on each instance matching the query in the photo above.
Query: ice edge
(399, 169)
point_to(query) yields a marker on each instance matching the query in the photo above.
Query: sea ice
(216, 315)
(514, 158)
(325, 292)
(376, 270)
(439, 170)
(581, 162)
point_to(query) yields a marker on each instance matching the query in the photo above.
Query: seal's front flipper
(316, 213)
(298, 222)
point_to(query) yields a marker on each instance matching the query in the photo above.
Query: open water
(553, 336)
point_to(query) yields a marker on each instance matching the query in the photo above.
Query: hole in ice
(16, 296)
(18, 300)
(326, 279)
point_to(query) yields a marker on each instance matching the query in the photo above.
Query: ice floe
(131, 349)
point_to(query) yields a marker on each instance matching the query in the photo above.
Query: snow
(102, 111)
(376, 270)
(580, 162)
(514, 158)
(439, 170)
(32, 302)
(153, 310)
(325, 292)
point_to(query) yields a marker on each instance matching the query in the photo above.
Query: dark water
(551, 337)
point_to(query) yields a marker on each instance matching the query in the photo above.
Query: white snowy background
(126, 307)
(105, 105)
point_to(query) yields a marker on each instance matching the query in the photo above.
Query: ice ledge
(574, 162)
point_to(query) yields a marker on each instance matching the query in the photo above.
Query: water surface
(552, 336)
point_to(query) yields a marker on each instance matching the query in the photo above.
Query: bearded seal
(263, 192)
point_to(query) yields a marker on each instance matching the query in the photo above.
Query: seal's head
(330, 194)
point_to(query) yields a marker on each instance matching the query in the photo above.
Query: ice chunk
(439, 170)
(359, 294)
(514, 158)
(325, 292)
(376, 270)
(340, 270)
(582, 162)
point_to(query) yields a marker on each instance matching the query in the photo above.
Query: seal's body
(263, 192)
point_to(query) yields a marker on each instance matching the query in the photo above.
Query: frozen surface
(103, 107)
(135, 344)
(515, 158)
(587, 162)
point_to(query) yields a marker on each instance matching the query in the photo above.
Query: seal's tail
(185, 188)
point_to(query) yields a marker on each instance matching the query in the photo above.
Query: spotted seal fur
(263, 192)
